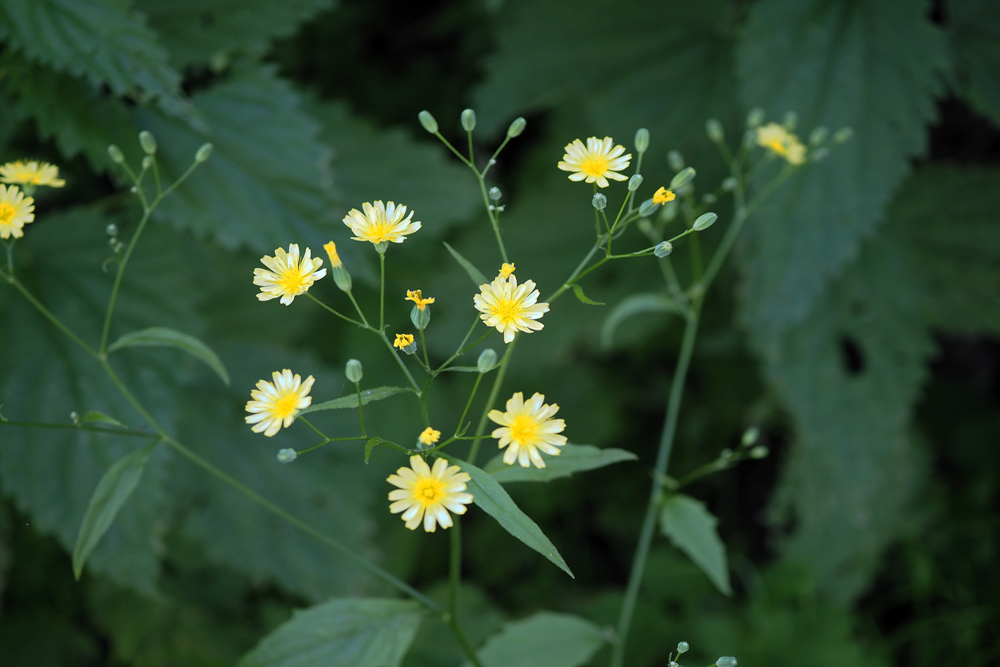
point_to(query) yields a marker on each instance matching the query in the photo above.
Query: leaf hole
(852, 357)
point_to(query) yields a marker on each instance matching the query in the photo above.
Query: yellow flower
(380, 223)
(331, 252)
(596, 162)
(428, 494)
(527, 427)
(429, 436)
(415, 297)
(506, 270)
(782, 142)
(403, 340)
(275, 405)
(16, 211)
(31, 173)
(510, 307)
(288, 277)
(662, 196)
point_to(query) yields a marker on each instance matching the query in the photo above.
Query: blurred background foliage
(857, 326)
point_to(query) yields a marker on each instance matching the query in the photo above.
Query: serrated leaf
(351, 400)
(546, 639)
(634, 305)
(691, 528)
(112, 491)
(341, 633)
(572, 459)
(578, 291)
(475, 274)
(100, 418)
(495, 501)
(974, 38)
(164, 337)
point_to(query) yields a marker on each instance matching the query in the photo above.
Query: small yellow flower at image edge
(781, 141)
(380, 223)
(510, 307)
(289, 277)
(417, 297)
(429, 436)
(662, 196)
(427, 494)
(596, 162)
(506, 270)
(276, 405)
(31, 173)
(16, 211)
(526, 427)
(331, 252)
(403, 340)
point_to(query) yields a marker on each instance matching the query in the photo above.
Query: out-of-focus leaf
(974, 37)
(351, 400)
(635, 305)
(691, 528)
(196, 30)
(546, 639)
(475, 274)
(341, 633)
(880, 66)
(572, 459)
(101, 418)
(165, 337)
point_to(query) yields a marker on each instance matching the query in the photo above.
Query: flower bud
(682, 178)
(634, 182)
(749, 139)
(705, 221)
(517, 127)
(750, 436)
(116, 154)
(818, 136)
(755, 117)
(663, 249)
(495, 193)
(203, 153)
(759, 452)
(713, 128)
(148, 142)
(411, 348)
(673, 663)
(790, 121)
(641, 140)
(648, 208)
(286, 455)
(487, 360)
(843, 134)
(111, 230)
(427, 120)
(468, 120)
(675, 160)
(709, 198)
(600, 201)
(420, 317)
(819, 154)
(75, 416)
(682, 647)
(725, 662)
(147, 162)
(354, 371)
(342, 278)
(729, 184)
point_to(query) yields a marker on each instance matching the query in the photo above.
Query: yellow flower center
(777, 146)
(507, 310)
(6, 213)
(524, 430)
(377, 230)
(428, 491)
(292, 280)
(594, 165)
(285, 406)
(28, 178)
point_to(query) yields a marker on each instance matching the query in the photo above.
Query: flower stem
(381, 295)
(494, 393)
(454, 580)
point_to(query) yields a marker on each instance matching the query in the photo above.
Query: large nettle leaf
(873, 66)
(543, 640)
(974, 38)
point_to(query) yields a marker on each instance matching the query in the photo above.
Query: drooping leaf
(572, 459)
(110, 495)
(578, 291)
(691, 528)
(475, 274)
(635, 305)
(165, 337)
(974, 38)
(546, 639)
(101, 418)
(351, 400)
(341, 633)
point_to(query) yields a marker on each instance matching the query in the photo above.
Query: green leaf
(101, 418)
(815, 223)
(691, 528)
(164, 337)
(341, 633)
(578, 291)
(113, 490)
(475, 274)
(495, 501)
(351, 400)
(573, 458)
(546, 639)
(461, 369)
(635, 304)
(102, 40)
(974, 38)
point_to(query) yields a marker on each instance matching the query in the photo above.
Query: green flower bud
(495, 194)
(843, 134)
(749, 139)
(111, 230)
(517, 127)
(342, 278)
(729, 184)
(468, 120)
(203, 153)
(663, 249)
(750, 436)
(709, 198)
(755, 117)
(682, 178)
(116, 154)
(648, 208)
(147, 162)
(819, 154)
(75, 416)
(411, 348)
(725, 662)
(427, 120)
(675, 160)
(354, 371)
(641, 140)
(705, 221)
(714, 130)
(683, 647)
(790, 121)
(818, 136)
(759, 452)
(148, 142)
(600, 201)
(634, 182)
(420, 317)
(287, 455)
(487, 360)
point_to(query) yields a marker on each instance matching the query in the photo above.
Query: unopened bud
(427, 120)
(287, 455)
(600, 201)
(759, 452)
(468, 120)
(709, 198)
(682, 178)
(749, 139)
(755, 117)
(714, 130)
(675, 160)
(111, 230)
(517, 127)
(790, 121)
(116, 154)
(663, 249)
(487, 360)
(729, 184)
(843, 134)
(354, 371)
(725, 662)
(673, 663)
(148, 142)
(682, 647)
(204, 153)
(147, 162)
(75, 417)
(420, 317)
(705, 221)
(634, 182)
(819, 154)
(495, 194)
(641, 140)
(750, 436)
(342, 278)
(648, 208)
(818, 136)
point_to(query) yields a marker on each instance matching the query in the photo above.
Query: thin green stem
(494, 393)
(80, 427)
(336, 312)
(468, 404)
(455, 151)
(423, 347)
(454, 580)
(579, 267)
(381, 293)
(399, 361)
(118, 279)
(350, 295)
(361, 413)
(53, 319)
(327, 441)
(316, 430)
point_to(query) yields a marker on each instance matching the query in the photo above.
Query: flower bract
(16, 211)
(510, 307)
(288, 276)
(380, 223)
(429, 436)
(662, 196)
(429, 494)
(527, 427)
(781, 141)
(276, 405)
(31, 173)
(417, 298)
(596, 162)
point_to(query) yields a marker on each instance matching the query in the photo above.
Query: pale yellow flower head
(276, 405)
(403, 340)
(416, 297)
(662, 196)
(526, 428)
(331, 252)
(781, 141)
(428, 495)
(380, 223)
(429, 436)
(288, 276)
(510, 307)
(31, 173)
(506, 270)
(596, 162)
(16, 211)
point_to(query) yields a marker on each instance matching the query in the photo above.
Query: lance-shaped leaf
(691, 528)
(351, 400)
(543, 640)
(164, 337)
(634, 305)
(578, 291)
(101, 418)
(475, 274)
(341, 633)
(573, 458)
